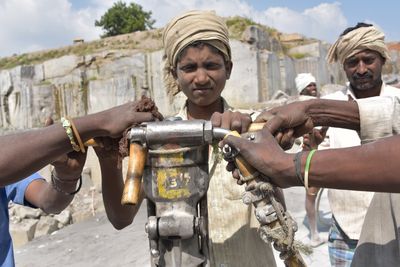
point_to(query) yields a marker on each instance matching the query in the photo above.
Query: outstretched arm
(303, 116)
(355, 168)
(27, 152)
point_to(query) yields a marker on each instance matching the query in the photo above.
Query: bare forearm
(26, 152)
(119, 215)
(341, 114)
(55, 201)
(370, 167)
(44, 195)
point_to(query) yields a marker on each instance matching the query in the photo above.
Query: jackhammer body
(175, 184)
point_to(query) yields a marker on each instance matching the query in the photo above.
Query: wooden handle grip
(133, 181)
(295, 260)
(244, 167)
(256, 126)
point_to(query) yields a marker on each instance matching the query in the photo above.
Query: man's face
(310, 90)
(364, 70)
(201, 73)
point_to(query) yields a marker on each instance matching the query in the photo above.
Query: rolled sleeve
(16, 191)
(378, 117)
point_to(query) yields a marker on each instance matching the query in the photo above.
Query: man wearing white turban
(307, 87)
(362, 51)
(306, 84)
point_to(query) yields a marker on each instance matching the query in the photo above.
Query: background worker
(307, 88)
(306, 85)
(362, 52)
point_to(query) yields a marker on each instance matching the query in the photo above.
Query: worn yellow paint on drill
(172, 183)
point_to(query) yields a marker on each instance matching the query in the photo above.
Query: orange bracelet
(66, 124)
(77, 136)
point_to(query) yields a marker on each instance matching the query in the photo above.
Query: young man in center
(198, 62)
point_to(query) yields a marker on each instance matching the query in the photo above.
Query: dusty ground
(95, 243)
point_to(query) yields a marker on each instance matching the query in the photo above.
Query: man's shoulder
(391, 91)
(338, 95)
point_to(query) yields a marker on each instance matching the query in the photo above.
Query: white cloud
(29, 25)
(325, 21)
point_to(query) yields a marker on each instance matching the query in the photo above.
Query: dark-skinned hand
(235, 121)
(314, 139)
(287, 123)
(265, 155)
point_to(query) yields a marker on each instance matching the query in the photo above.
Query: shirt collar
(352, 96)
(183, 110)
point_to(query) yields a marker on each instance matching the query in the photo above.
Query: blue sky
(54, 23)
(382, 13)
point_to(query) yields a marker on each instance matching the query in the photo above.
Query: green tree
(120, 19)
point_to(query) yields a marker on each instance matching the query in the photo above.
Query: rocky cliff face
(75, 85)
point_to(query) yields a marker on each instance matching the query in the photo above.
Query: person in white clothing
(353, 168)
(307, 88)
(362, 52)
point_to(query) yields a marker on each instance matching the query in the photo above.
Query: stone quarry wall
(77, 85)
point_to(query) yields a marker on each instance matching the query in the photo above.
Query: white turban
(356, 41)
(303, 80)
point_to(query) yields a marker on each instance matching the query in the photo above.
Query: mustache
(202, 87)
(363, 76)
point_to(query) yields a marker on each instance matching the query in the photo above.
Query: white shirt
(379, 242)
(350, 207)
(379, 117)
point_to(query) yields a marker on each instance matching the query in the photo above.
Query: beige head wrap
(186, 29)
(356, 41)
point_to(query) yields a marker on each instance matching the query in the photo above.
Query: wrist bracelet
(68, 130)
(307, 168)
(54, 178)
(76, 134)
(297, 166)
